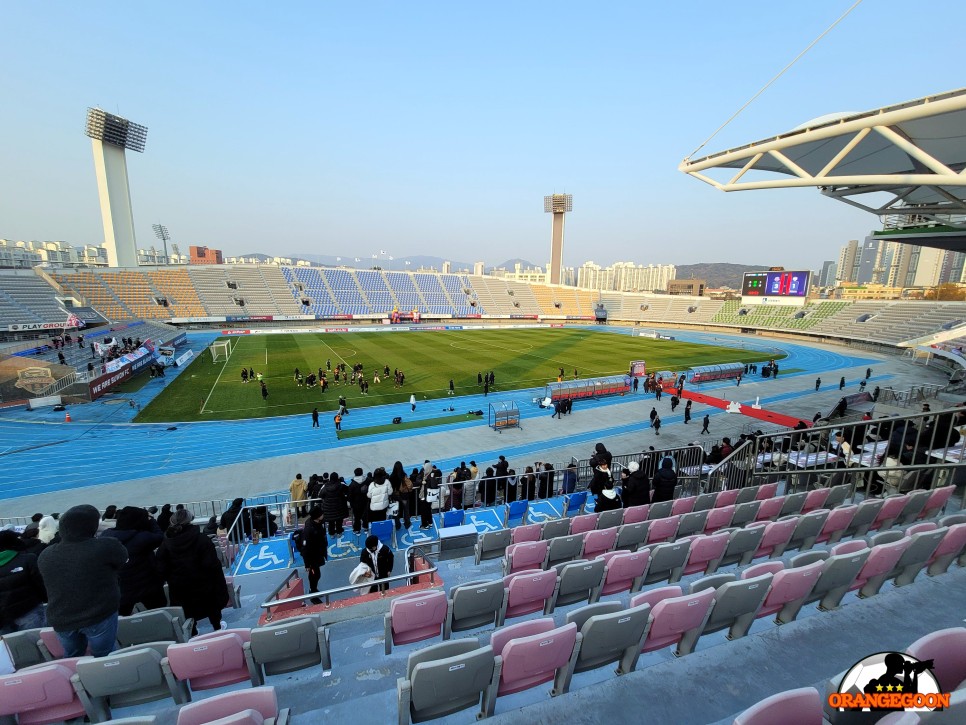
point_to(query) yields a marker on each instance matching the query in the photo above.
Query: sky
(436, 128)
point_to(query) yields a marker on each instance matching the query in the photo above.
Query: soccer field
(518, 359)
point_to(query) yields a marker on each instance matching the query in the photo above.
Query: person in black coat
(602, 478)
(188, 561)
(227, 519)
(380, 558)
(335, 505)
(358, 500)
(488, 486)
(636, 487)
(164, 518)
(664, 482)
(139, 578)
(22, 592)
(314, 548)
(608, 500)
(600, 454)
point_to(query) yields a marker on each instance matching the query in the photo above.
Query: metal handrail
(431, 572)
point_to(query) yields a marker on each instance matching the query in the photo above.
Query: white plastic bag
(361, 574)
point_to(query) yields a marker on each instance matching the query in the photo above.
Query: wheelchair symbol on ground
(541, 511)
(266, 556)
(344, 547)
(486, 520)
(415, 537)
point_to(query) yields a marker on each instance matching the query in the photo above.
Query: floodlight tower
(110, 136)
(558, 205)
(161, 232)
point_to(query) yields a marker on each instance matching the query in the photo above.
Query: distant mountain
(718, 274)
(509, 264)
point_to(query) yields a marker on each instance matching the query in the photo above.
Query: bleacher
(27, 298)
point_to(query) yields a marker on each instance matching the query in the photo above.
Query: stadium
(802, 459)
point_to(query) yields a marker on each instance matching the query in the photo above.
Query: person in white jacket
(378, 493)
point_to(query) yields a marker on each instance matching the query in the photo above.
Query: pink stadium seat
(727, 497)
(766, 490)
(500, 638)
(704, 550)
(415, 617)
(766, 567)
(210, 663)
(599, 542)
(623, 569)
(719, 518)
(528, 555)
(41, 694)
(530, 532)
(794, 707)
(788, 586)
(815, 499)
(777, 535)
(848, 547)
(837, 522)
(948, 550)
(770, 508)
(936, 501)
(947, 649)
(882, 559)
(531, 658)
(260, 699)
(673, 616)
(887, 514)
(662, 529)
(653, 596)
(921, 526)
(582, 523)
(52, 645)
(683, 505)
(636, 514)
(530, 591)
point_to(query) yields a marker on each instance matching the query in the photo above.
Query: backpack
(298, 539)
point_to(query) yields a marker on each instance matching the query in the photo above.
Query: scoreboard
(778, 286)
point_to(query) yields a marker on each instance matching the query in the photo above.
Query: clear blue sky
(437, 127)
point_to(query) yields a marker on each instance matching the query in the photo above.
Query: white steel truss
(915, 152)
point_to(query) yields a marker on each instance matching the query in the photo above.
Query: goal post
(221, 350)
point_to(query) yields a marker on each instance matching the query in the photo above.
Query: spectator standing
(664, 481)
(402, 488)
(488, 488)
(22, 592)
(687, 412)
(81, 577)
(706, 422)
(608, 500)
(335, 508)
(380, 559)
(359, 501)
(568, 482)
(636, 487)
(314, 549)
(428, 495)
(164, 517)
(298, 493)
(602, 478)
(378, 495)
(139, 578)
(48, 530)
(189, 562)
(657, 426)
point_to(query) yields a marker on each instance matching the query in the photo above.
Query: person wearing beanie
(22, 592)
(636, 488)
(188, 561)
(48, 530)
(380, 558)
(609, 499)
(139, 578)
(314, 548)
(81, 576)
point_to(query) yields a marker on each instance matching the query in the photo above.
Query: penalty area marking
(225, 365)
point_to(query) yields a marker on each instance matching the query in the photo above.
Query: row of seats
(155, 670)
(455, 675)
(947, 650)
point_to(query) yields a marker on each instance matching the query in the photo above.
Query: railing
(411, 553)
(913, 396)
(58, 385)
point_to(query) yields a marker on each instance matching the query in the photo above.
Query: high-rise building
(479, 269)
(447, 267)
(826, 278)
(847, 270)
(204, 255)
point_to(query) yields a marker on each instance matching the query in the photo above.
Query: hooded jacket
(21, 586)
(664, 482)
(637, 489)
(140, 537)
(602, 478)
(188, 561)
(81, 572)
(334, 495)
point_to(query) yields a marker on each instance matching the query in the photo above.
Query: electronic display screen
(775, 284)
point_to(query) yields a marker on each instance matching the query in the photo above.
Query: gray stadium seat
(793, 504)
(631, 536)
(886, 537)
(615, 636)
(659, 510)
(581, 615)
(129, 676)
(736, 602)
(914, 506)
(580, 580)
(23, 648)
(692, 523)
(745, 513)
(609, 519)
(492, 544)
(449, 677)
(837, 495)
(667, 561)
(746, 494)
(154, 625)
(555, 529)
(562, 549)
(704, 502)
(743, 545)
(807, 530)
(294, 644)
(808, 557)
(864, 517)
(838, 573)
(476, 604)
(924, 545)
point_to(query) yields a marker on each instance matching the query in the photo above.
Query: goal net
(221, 350)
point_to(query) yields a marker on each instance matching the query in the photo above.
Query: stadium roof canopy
(905, 162)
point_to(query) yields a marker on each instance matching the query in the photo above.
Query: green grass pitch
(519, 358)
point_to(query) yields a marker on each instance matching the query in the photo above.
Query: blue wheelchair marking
(484, 520)
(541, 511)
(267, 555)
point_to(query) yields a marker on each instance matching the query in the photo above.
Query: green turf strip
(405, 425)
(520, 358)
